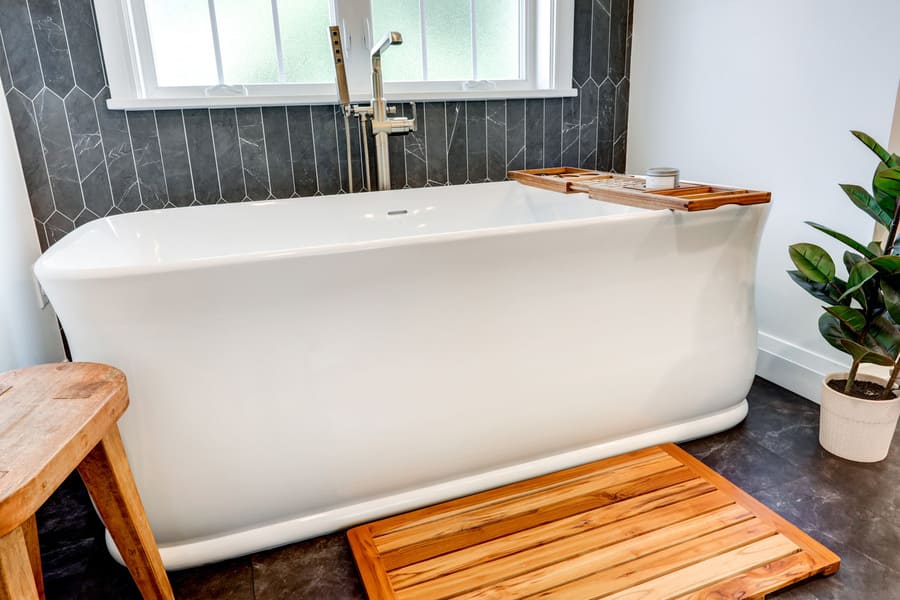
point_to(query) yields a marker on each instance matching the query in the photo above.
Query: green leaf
(860, 274)
(885, 156)
(826, 292)
(864, 201)
(884, 198)
(844, 238)
(851, 317)
(851, 260)
(862, 354)
(884, 335)
(830, 328)
(888, 181)
(814, 263)
(875, 248)
(889, 265)
(891, 298)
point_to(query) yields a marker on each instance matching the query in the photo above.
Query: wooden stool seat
(54, 419)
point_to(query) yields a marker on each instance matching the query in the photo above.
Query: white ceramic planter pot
(854, 428)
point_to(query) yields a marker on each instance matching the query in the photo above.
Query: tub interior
(184, 235)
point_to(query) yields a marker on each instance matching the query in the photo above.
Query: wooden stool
(53, 419)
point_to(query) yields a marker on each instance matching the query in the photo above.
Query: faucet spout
(378, 104)
(392, 39)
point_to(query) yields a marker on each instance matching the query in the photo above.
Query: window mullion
(279, 50)
(527, 39)
(217, 50)
(473, 20)
(424, 40)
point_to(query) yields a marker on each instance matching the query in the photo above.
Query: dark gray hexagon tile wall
(83, 161)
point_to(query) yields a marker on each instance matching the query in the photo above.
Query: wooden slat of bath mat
(661, 530)
(610, 570)
(613, 515)
(515, 490)
(760, 581)
(520, 517)
(484, 514)
(575, 555)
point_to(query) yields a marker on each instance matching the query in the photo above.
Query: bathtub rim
(198, 552)
(43, 271)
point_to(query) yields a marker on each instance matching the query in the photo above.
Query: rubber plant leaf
(826, 292)
(891, 297)
(884, 197)
(889, 265)
(888, 181)
(830, 328)
(875, 248)
(811, 260)
(883, 336)
(867, 252)
(853, 318)
(864, 200)
(862, 354)
(885, 156)
(860, 274)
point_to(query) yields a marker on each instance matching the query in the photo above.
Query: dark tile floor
(852, 508)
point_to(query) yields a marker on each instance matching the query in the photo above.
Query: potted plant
(859, 412)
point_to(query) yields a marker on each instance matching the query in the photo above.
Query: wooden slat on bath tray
(654, 524)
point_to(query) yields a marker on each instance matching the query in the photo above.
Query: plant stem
(851, 377)
(889, 388)
(892, 234)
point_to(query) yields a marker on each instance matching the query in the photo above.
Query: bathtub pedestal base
(198, 552)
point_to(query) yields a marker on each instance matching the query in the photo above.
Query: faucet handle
(413, 122)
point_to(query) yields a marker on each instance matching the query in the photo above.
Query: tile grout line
(12, 84)
(337, 147)
(212, 140)
(98, 44)
(187, 150)
(34, 39)
(287, 131)
(312, 138)
(262, 124)
(240, 145)
(137, 176)
(162, 161)
(65, 31)
(72, 146)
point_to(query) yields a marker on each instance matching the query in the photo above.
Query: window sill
(239, 101)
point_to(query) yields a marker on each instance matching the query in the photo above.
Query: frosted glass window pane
(448, 39)
(247, 41)
(305, 41)
(497, 39)
(404, 62)
(181, 38)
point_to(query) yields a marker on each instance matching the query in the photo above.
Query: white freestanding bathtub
(299, 366)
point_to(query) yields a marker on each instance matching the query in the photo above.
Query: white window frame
(124, 33)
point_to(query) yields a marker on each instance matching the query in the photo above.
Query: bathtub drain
(394, 213)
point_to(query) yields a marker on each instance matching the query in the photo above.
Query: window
(188, 53)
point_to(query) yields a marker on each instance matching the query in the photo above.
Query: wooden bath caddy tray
(653, 524)
(628, 189)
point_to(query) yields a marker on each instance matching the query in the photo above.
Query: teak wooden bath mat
(653, 524)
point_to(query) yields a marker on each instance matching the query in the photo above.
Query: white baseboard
(793, 367)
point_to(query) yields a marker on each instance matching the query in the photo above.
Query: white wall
(762, 93)
(28, 335)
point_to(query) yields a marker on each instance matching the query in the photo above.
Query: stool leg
(108, 478)
(29, 528)
(16, 580)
